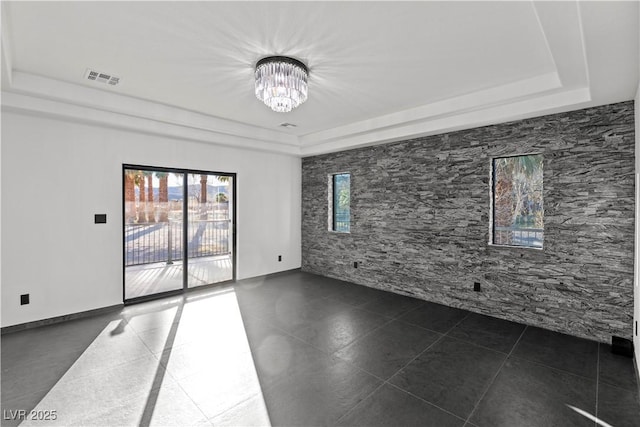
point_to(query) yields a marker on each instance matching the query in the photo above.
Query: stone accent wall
(420, 221)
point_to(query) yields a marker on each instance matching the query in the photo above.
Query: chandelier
(281, 82)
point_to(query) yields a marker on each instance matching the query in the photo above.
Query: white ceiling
(379, 71)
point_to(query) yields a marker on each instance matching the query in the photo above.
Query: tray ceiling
(379, 71)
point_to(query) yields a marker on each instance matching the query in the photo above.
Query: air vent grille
(99, 77)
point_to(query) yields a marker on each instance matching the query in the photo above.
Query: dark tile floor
(299, 349)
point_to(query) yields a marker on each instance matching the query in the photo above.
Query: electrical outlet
(476, 286)
(24, 299)
(100, 218)
(279, 258)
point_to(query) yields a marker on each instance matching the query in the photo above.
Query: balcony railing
(163, 242)
(342, 221)
(517, 236)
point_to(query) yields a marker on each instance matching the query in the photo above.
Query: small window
(340, 202)
(518, 209)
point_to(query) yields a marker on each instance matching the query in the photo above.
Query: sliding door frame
(185, 226)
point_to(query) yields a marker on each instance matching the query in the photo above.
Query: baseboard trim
(111, 308)
(60, 319)
(275, 274)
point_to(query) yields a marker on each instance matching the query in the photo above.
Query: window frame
(492, 207)
(331, 220)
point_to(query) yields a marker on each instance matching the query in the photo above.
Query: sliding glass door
(210, 243)
(178, 230)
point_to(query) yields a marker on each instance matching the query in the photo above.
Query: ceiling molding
(524, 98)
(542, 105)
(561, 24)
(7, 68)
(80, 103)
(567, 87)
(26, 104)
(98, 99)
(452, 106)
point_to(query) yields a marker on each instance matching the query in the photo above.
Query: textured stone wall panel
(420, 221)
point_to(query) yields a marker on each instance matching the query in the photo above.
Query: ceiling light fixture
(281, 82)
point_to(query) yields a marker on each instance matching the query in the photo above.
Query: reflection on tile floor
(299, 349)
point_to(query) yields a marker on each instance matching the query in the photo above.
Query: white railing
(518, 236)
(163, 241)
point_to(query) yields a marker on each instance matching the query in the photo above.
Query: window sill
(491, 245)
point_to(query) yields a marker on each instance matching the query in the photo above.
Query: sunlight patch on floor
(181, 361)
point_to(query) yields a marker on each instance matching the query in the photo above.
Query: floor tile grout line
(158, 356)
(458, 323)
(553, 368)
(391, 318)
(618, 387)
(325, 352)
(424, 400)
(440, 338)
(397, 318)
(101, 369)
(376, 376)
(422, 304)
(276, 382)
(295, 337)
(387, 382)
(421, 327)
(303, 341)
(364, 399)
(362, 337)
(432, 330)
(394, 317)
(350, 363)
(333, 353)
(291, 335)
(284, 332)
(179, 384)
(245, 400)
(477, 345)
(164, 366)
(493, 380)
(98, 370)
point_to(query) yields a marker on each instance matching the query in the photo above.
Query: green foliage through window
(342, 202)
(518, 208)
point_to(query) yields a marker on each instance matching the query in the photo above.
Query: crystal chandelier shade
(281, 83)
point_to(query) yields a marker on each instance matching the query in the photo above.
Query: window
(518, 209)
(340, 202)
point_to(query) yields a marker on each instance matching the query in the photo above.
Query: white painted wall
(57, 174)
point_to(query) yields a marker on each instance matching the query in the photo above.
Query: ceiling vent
(97, 76)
